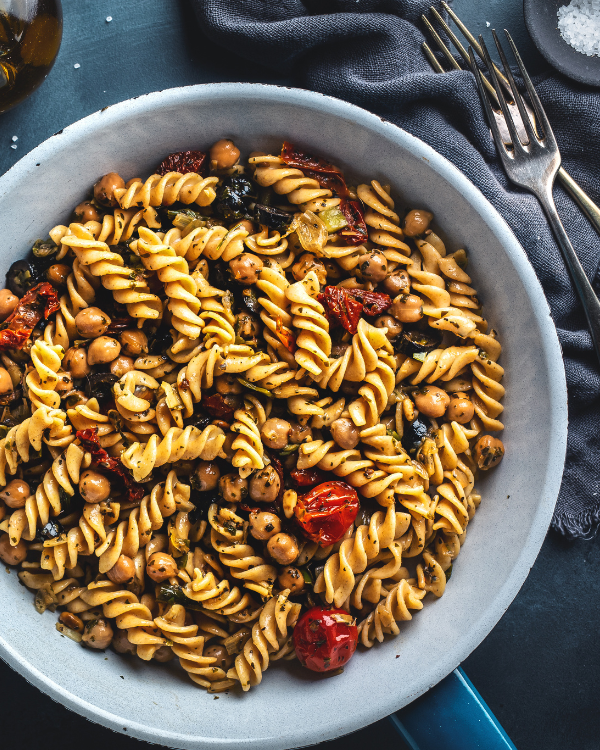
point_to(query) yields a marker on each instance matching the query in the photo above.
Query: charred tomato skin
(325, 638)
(327, 511)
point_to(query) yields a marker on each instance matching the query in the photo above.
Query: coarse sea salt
(579, 25)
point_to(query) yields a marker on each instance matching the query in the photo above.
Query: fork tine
(451, 35)
(432, 58)
(440, 43)
(535, 100)
(488, 108)
(517, 98)
(516, 142)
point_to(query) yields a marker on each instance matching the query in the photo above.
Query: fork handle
(585, 203)
(587, 295)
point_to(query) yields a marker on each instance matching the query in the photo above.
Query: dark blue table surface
(539, 670)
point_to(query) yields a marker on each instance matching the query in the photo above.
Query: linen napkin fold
(369, 52)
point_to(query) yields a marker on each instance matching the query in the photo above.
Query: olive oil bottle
(30, 34)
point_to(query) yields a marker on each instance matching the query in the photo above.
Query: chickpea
(93, 486)
(283, 548)
(91, 322)
(224, 154)
(245, 224)
(338, 350)
(407, 308)
(299, 433)
(264, 485)
(247, 326)
(98, 634)
(460, 409)
(431, 400)
(264, 525)
(232, 488)
(72, 621)
(123, 571)
(372, 267)
(121, 365)
(75, 361)
(246, 268)
(489, 451)
(122, 644)
(103, 350)
(291, 578)
(345, 433)
(206, 476)
(397, 283)
(8, 302)
(6, 385)
(275, 433)
(417, 222)
(309, 262)
(133, 342)
(15, 493)
(86, 211)
(163, 654)
(161, 566)
(394, 327)
(223, 659)
(104, 189)
(226, 384)
(12, 555)
(58, 274)
(334, 272)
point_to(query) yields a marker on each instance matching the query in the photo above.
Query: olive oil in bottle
(30, 34)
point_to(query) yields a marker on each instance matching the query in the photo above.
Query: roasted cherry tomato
(327, 511)
(325, 638)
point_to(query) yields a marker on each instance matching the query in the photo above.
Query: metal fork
(585, 203)
(533, 165)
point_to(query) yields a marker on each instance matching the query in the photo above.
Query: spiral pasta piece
(44, 426)
(271, 171)
(380, 217)
(488, 392)
(389, 612)
(248, 445)
(180, 287)
(43, 379)
(127, 287)
(268, 635)
(165, 190)
(121, 225)
(177, 445)
(313, 342)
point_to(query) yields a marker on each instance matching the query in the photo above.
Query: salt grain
(579, 25)
(487, 23)
(77, 65)
(15, 138)
(108, 19)
(14, 145)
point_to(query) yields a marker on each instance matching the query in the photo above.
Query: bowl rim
(362, 714)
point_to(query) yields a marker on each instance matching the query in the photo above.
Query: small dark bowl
(542, 24)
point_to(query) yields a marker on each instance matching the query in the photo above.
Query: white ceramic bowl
(292, 707)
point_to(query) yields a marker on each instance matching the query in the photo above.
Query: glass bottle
(30, 34)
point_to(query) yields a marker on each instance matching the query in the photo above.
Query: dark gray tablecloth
(369, 53)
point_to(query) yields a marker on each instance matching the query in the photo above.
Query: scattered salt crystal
(579, 25)
(487, 23)
(14, 145)
(15, 138)
(108, 19)
(77, 65)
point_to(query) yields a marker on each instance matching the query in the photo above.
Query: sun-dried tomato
(374, 303)
(119, 324)
(327, 175)
(285, 335)
(89, 441)
(341, 307)
(183, 162)
(296, 158)
(217, 407)
(39, 302)
(308, 477)
(356, 231)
